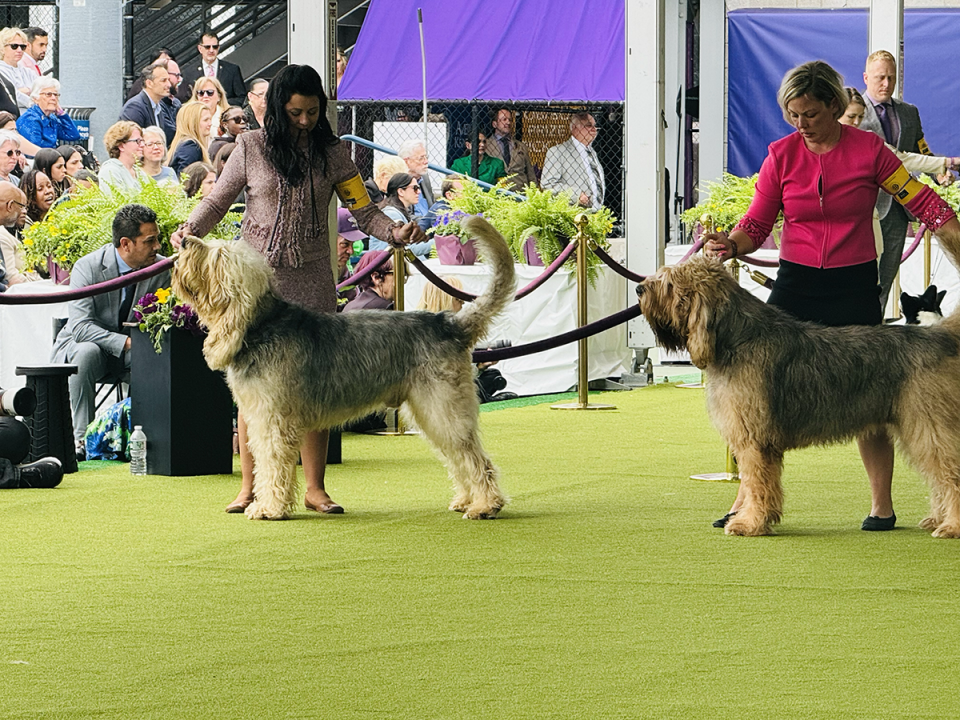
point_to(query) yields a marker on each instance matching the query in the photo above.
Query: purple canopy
(521, 50)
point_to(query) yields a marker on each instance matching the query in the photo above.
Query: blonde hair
(188, 128)
(117, 134)
(222, 103)
(434, 299)
(817, 80)
(880, 55)
(387, 167)
(9, 33)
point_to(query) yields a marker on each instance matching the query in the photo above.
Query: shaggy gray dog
(292, 371)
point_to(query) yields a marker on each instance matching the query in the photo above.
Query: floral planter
(452, 251)
(530, 254)
(57, 274)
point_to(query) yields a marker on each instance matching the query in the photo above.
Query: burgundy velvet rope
(370, 269)
(90, 290)
(549, 343)
(918, 236)
(615, 266)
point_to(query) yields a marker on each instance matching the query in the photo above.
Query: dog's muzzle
(639, 290)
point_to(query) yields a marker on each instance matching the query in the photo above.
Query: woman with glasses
(290, 170)
(124, 143)
(46, 123)
(210, 92)
(9, 157)
(233, 123)
(403, 193)
(193, 131)
(13, 43)
(154, 150)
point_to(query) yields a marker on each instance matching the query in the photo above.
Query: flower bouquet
(453, 247)
(160, 311)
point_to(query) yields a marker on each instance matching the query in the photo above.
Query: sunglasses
(413, 186)
(16, 46)
(205, 47)
(239, 119)
(206, 93)
(11, 153)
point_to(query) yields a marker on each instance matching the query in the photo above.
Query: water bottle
(138, 451)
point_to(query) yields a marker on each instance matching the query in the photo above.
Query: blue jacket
(139, 109)
(46, 130)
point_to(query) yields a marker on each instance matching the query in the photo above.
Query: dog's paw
(743, 526)
(946, 530)
(260, 511)
(930, 523)
(460, 503)
(481, 512)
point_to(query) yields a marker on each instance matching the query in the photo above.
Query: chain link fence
(35, 14)
(545, 156)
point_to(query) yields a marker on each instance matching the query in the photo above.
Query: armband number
(902, 186)
(353, 193)
(924, 148)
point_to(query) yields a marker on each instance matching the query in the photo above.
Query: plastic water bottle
(138, 451)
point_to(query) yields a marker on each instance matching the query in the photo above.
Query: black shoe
(81, 449)
(44, 473)
(722, 522)
(874, 523)
(504, 396)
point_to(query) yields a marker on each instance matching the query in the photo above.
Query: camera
(22, 401)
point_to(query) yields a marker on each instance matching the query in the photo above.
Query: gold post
(926, 259)
(394, 424)
(583, 389)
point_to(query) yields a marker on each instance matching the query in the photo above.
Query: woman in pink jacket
(824, 178)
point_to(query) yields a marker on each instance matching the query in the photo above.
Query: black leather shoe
(722, 522)
(876, 524)
(81, 449)
(44, 473)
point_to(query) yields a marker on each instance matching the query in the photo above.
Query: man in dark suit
(154, 106)
(8, 97)
(94, 338)
(227, 73)
(898, 123)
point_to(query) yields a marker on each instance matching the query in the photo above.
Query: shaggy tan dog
(292, 371)
(775, 383)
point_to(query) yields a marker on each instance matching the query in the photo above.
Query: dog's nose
(639, 290)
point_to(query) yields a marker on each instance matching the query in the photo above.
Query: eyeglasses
(11, 153)
(239, 119)
(154, 144)
(259, 94)
(49, 94)
(205, 47)
(17, 202)
(138, 141)
(173, 75)
(414, 187)
(16, 46)
(207, 93)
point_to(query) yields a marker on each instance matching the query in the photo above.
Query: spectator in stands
(504, 146)
(210, 66)
(8, 99)
(376, 289)
(173, 70)
(256, 103)
(199, 178)
(37, 42)
(94, 338)
(573, 166)
(489, 169)
(341, 65)
(124, 144)
(401, 198)
(210, 93)
(232, 123)
(451, 187)
(154, 151)
(40, 194)
(153, 106)
(414, 153)
(384, 169)
(9, 157)
(8, 122)
(348, 233)
(223, 154)
(12, 200)
(14, 43)
(45, 123)
(193, 131)
(72, 158)
(85, 178)
(51, 163)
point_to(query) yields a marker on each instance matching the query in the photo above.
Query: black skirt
(829, 296)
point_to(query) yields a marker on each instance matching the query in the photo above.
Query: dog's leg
(763, 500)
(933, 455)
(448, 414)
(274, 444)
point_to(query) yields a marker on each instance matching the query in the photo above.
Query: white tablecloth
(26, 331)
(549, 310)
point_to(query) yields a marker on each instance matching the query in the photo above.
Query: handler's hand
(177, 238)
(408, 234)
(946, 179)
(717, 245)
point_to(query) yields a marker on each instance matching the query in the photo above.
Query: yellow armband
(353, 193)
(902, 186)
(924, 148)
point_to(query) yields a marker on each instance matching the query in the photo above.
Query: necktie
(126, 302)
(505, 145)
(209, 70)
(597, 177)
(885, 122)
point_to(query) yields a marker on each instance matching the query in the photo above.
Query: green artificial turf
(601, 592)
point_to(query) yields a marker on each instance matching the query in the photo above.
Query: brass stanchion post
(926, 259)
(394, 425)
(583, 399)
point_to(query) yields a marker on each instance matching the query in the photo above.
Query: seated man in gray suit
(898, 123)
(93, 338)
(574, 166)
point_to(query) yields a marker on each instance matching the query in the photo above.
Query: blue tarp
(764, 44)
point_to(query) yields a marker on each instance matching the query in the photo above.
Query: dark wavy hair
(286, 158)
(44, 161)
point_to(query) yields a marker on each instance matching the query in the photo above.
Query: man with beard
(37, 42)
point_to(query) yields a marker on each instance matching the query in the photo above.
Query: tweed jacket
(521, 167)
(279, 219)
(95, 319)
(910, 138)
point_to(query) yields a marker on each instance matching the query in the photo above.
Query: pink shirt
(827, 200)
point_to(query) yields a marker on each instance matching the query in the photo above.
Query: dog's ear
(699, 335)
(940, 296)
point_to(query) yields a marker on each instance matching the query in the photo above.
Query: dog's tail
(476, 316)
